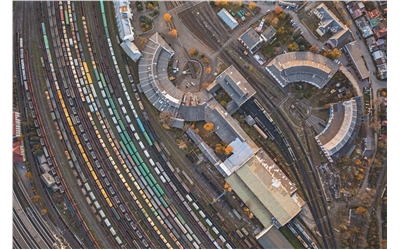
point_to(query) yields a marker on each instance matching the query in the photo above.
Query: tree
(281, 31)
(293, 46)
(383, 93)
(167, 17)
(333, 54)
(150, 6)
(251, 68)
(217, 2)
(314, 49)
(228, 150)
(44, 211)
(173, 33)
(227, 187)
(361, 211)
(375, 125)
(218, 149)
(193, 52)
(207, 70)
(274, 22)
(197, 130)
(21, 137)
(237, 2)
(276, 51)
(206, 60)
(359, 176)
(278, 10)
(302, 47)
(357, 162)
(35, 199)
(166, 117)
(223, 104)
(327, 106)
(209, 127)
(252, 5)
(29, 176)
(282, 16)
(348, 23)
(224, 2)
(155, 12)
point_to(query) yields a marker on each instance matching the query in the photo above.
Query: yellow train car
(99, 184)
(73, 131)
(86, 67)
(89, 78)
(94, 175)
(90, 166)
(104, 194)
(80, 148)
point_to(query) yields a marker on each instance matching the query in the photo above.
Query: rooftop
(273, 239)
(365, 28)
(225, 126)
(235, 85)
(302, 67)
(328, 21)
(344, 119)
(251, 39)
(355, 52)
(227, 18)
(268, 33)
(265, 190)
(123, 16)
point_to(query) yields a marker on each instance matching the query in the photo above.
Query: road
(376, 196)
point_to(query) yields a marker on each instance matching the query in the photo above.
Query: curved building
(160, 91)
(342, 128)
(306, 67)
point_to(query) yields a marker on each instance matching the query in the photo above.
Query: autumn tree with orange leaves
(173, 33)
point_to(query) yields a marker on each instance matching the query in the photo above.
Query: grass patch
(291, 238)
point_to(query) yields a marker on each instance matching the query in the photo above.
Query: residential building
(228, 18)
(251, 40)
(381, 30)
(373, 14)
(356, 9)
(364, 27)
(372, 44)
(378, 54)
(374, 22)
(329, 22)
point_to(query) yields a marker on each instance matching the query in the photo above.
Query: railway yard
(121, 181)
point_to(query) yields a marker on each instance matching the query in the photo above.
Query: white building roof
(228, 18)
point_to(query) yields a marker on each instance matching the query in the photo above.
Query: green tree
(302, 47)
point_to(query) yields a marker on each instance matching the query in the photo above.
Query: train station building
(252, 174)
